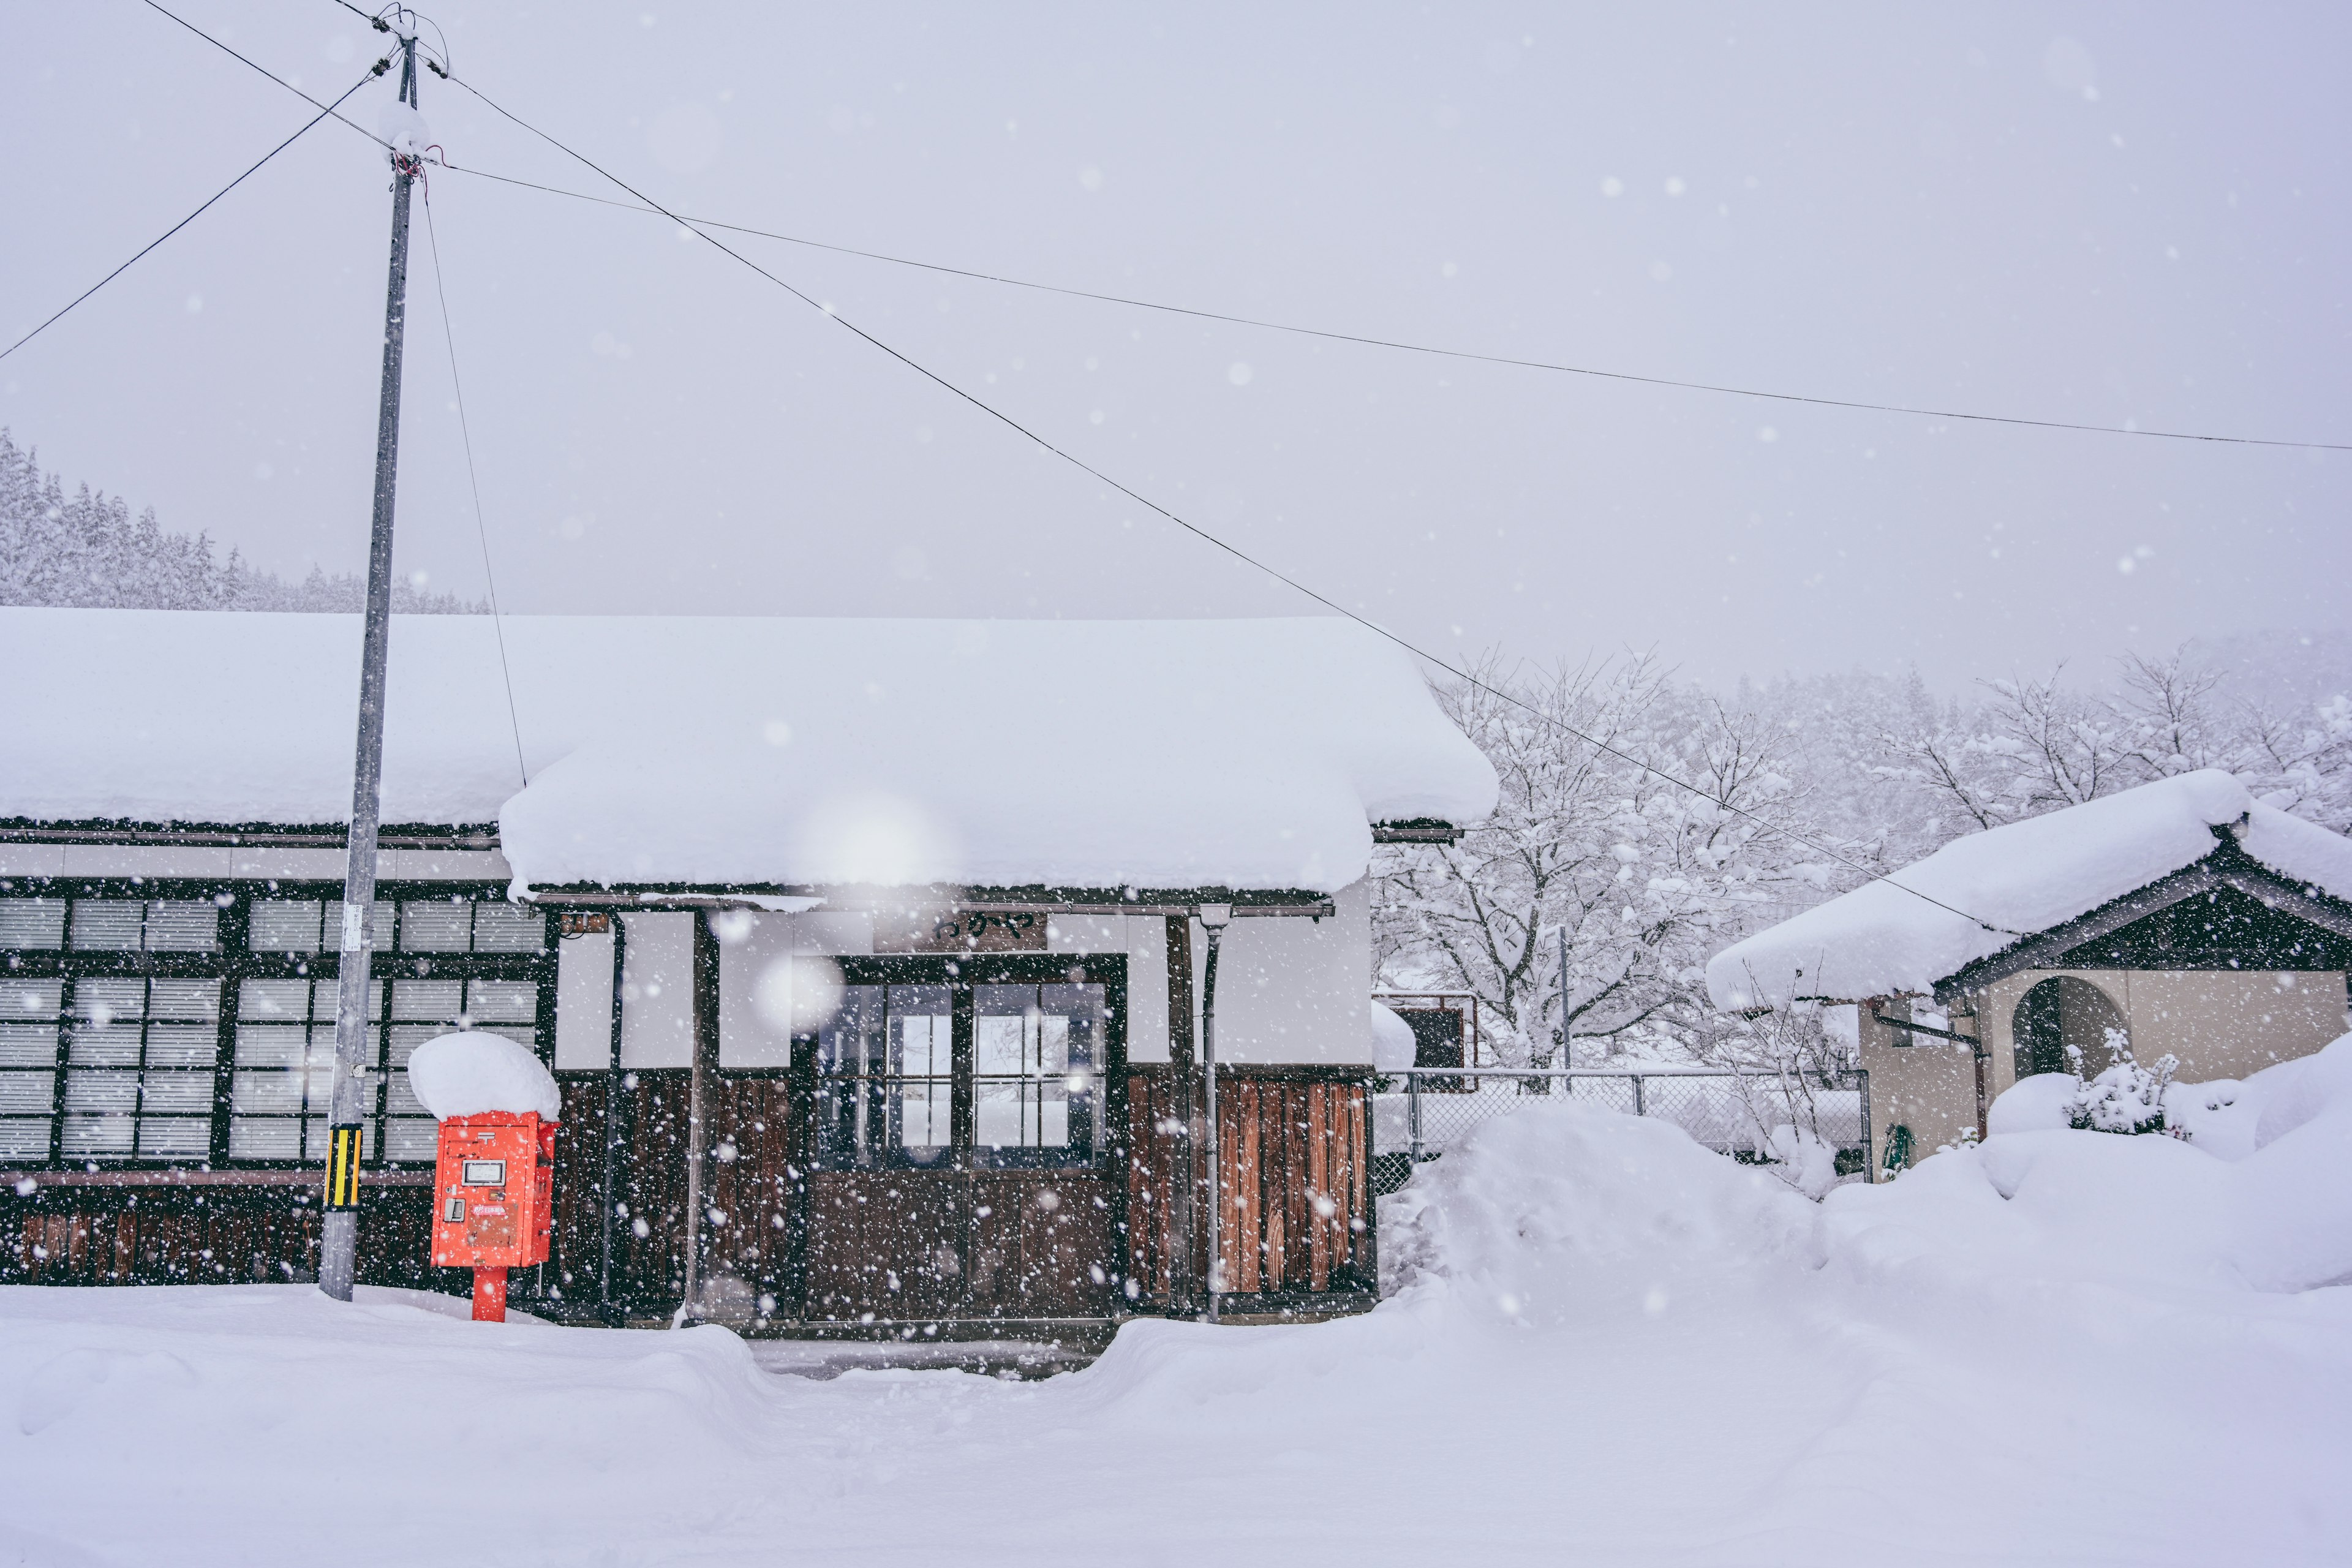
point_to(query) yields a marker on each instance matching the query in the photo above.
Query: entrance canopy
(729, 752)
(2017, 895)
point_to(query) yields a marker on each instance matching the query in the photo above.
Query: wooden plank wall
(187, 1235)
(1296, 1175)
(649, 1268)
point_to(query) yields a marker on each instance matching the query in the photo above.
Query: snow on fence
(1429, 1110)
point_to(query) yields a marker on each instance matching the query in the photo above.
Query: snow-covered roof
(705, 750)
(2023, 878)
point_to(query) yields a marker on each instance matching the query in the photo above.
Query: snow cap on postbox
(476, 1073)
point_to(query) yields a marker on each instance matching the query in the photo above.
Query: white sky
(2071, 212)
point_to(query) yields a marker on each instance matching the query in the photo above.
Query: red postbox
(493, 1200)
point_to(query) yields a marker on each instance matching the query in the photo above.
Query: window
(201, 1026)
(1036, 1051)
(1001, 1068)
(139, 1068)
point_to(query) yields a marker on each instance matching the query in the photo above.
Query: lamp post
(1213, 919)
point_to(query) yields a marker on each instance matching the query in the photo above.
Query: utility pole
(339, 1240)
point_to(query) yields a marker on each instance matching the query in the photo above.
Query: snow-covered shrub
(2127, 1096)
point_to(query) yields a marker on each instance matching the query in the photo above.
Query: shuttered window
(200, 1026)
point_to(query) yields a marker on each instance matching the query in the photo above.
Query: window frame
(232, 962)
(963, 975)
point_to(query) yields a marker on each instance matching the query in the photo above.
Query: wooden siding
(210, 1236)
(1295, 1159)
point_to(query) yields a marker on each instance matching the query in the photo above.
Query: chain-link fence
(1420, 1114)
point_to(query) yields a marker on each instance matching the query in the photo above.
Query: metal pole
(1869, 1152)
(1567, 1042)
(605, 1310)
(1413, 1113)
(1638, 1109)
(1213, 920)
(338, 1239)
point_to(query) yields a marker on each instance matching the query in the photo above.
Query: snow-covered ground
(1608, 1346)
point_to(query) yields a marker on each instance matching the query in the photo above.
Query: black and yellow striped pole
(343, 1169)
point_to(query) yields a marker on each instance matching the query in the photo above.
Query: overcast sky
(2071, 212)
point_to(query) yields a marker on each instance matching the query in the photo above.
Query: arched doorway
(2059, 1013)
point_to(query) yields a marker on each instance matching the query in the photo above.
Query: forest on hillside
(86, 549)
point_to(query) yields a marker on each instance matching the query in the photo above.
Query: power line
(1201, 533)
(1262, 323)
(272, 75)
(381, 67)
(1369, 341)
(481, 531)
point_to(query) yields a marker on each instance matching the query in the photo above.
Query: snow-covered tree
(86, 549)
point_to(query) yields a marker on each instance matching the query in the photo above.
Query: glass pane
(266, 1001)
(29, 1045)
(412, 1138)
(96, 1045)
(266, 1094)
(31, 998)
(265, 1139)
(284, 925)
(25, 1140)
(109, 1092)
(380, 925)
(509, 928)
(33, 923)
(176, 1137)
(110, 925)
(436, 999)
(102, 1001)
(921, 1030)
(502, 1002)
(270, 1045)
(181, 1046)
(438, 925)
(183, 926)
(176, 1094)
(33, 1093)
(194, 1000)
(399, 1100)
(90, 1136)
(1005, 1034)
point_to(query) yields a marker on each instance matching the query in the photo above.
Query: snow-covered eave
(1117, 901)
(272, 834)
(2228, 866)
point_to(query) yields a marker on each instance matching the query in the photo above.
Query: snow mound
(474, 1074)
(1393, 1046)
(1883, 940)
(2256, 1195)
(1535, 1206)
(2042, 1103)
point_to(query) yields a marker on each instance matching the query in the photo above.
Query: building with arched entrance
(2184, 918)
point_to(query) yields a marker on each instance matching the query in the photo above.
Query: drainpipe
(1213, 919)
(608, 1310)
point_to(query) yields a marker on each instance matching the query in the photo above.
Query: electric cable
(381, 67)
(272, 75)
(1327, 334)
(1235, 550)
(481, 529)
(1435, 350)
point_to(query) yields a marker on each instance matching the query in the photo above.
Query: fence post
(1869, 1160)
(1413, 1112)
(1638, 1110)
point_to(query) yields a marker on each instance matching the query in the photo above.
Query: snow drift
(1607, 1343)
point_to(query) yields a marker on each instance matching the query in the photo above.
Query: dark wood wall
(154, 1234)
(1296, 1163)
(1295, 1159)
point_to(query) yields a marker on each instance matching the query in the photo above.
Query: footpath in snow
(1606, 1345)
